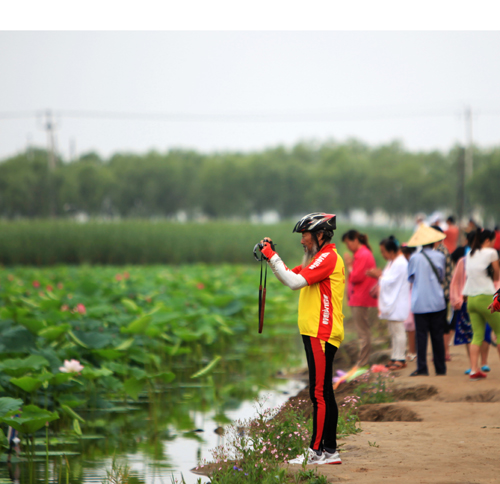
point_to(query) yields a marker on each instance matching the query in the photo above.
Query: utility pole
(51, 160)
(468, 162)
(469, 168)
(49, 126)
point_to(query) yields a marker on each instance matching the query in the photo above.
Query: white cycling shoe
(313, 458)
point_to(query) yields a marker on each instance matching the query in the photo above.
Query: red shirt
(452, 233)
(497, 240)
(359, 284)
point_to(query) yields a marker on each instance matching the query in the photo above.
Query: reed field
(51, 242)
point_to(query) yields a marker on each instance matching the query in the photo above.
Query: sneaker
(330, 458)
(485, 368)
(479, 375)
(467, 372)
(311, 456)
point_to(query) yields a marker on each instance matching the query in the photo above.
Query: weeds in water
(119, 473)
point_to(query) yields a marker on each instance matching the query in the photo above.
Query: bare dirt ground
(453, 436)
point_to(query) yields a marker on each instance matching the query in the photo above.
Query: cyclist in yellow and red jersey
(321, 280)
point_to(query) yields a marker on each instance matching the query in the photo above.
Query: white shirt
(478, 282)
(394, 294)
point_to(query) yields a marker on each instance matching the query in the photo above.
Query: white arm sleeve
(285, 275)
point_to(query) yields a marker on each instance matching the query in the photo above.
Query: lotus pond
(138, 363)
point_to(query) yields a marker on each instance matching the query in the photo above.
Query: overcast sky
(137, 91)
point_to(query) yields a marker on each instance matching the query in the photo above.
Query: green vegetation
(256, 449)
(120, 353)
(332, 177)
(49, 242)
(375, 387)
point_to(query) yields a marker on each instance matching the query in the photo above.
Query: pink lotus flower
(126, 275)
(200, 285)
(378, 369)
(36, 284)
(64, 307)
(118, 277)
(49, 288)
(60, 285)
(71, 366)
(80, 308)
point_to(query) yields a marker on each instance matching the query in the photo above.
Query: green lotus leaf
(108, 354)
(54, 332)
(166, 376)
(131, 306)
(77, 340)
(137, 373)
(69, 411)
(94, 339)
(31, 419)
(125, 345)
(6, 313)
(19, 366)
(93, 373)
(8, 405)
(29, 302)
(186, 335)
(137, 326)
(27, 383)
(119, 368)
(60, 378)
(32, 324)
(133, 386)
(76, 427)
(207, 369)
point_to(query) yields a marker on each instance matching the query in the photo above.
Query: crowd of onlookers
(442, 283)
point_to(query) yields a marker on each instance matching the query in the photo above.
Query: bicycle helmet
(316, 221)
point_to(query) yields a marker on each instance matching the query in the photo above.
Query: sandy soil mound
(387, 412)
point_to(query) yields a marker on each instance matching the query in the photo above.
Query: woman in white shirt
(481, 270)
(394, 297)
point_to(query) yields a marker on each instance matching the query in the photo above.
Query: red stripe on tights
(319, 364)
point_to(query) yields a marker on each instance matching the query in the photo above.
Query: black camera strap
(262, 295)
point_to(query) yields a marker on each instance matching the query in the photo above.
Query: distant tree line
(331, 176)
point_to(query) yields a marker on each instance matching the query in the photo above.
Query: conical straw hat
(425, 235)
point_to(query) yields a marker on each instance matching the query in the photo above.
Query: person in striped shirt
(321, 281)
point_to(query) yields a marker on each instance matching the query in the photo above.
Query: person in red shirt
(496, 244)
(360, 289)
(452, 233)
(321, 280)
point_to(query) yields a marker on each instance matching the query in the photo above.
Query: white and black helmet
(316, 222)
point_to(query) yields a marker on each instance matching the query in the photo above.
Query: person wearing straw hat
(426, 270)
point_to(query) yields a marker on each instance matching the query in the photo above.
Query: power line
(344, 114)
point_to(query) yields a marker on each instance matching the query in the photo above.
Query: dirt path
(457, 440)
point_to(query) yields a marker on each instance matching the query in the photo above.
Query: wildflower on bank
(36, 284)
(71, 366)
